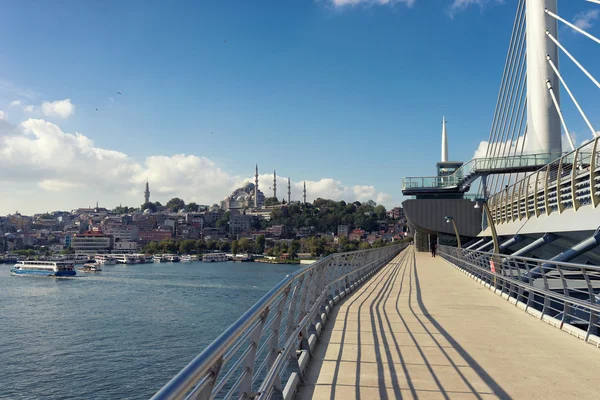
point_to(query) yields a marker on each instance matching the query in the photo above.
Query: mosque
(250, 196)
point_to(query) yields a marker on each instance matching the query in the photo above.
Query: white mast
(444, 140)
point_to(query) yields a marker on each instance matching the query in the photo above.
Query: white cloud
(15, 103)
(3, 115)
(584, 19)
(343, 3)
(460, 5)
(28, 108)
(59, 108)
(68, 170)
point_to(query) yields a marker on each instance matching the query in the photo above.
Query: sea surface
(121, 333)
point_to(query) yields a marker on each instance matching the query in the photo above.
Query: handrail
(568, 293)
(264, 334)
(571, 181)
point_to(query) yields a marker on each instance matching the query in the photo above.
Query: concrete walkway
(421, 329)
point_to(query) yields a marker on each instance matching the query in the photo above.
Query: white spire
(444, 141)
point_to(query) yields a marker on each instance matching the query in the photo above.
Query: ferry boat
(105, 259)
(125, 259)
(186, 258)
(171, 257)
(159, 259)
(43, 268)
(80, 258)
(90, 267)
(215, 257)
(148, 258)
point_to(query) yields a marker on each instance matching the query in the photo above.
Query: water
(121, 333)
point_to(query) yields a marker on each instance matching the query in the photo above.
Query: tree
(224, 246)
(222, 222)
(271, 201)
(380, 212)
(364, 246)
(244, 245)
(294, 248)
(200, 245)
(175, 204)
(192, 207)
(260, 244)
(187, 246)
(235, 247)
(148, 206)
(168, 246)
(151, 248)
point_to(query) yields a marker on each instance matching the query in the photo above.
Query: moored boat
(43, 268)
(186, 258)
(159, 258)
(215, 257)
(125, 259)
(171, 257)
(105, 259)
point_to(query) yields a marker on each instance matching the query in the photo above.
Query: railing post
(592, 328)
(574, 170)
(248, 365)
(594, 174)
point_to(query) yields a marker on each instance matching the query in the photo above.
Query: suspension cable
(587, 121)
(560, 114)
(585, 71)
(578, 29)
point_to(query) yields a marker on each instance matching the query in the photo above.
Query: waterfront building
(124, 247)
(91, 242)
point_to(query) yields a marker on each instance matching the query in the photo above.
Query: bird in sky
(96, 109)
(212, 133)
(119, 93)
(224, 41)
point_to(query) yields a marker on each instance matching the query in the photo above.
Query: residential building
(278, 231)
(343, 230)
(240, 223)
(91, 242)
(121, 232)
(356, 235)
(155, 235)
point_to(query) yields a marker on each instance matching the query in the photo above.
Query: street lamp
(450, 219)
(488, 216)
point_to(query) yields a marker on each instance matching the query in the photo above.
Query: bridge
(520, 319)
(394, 323)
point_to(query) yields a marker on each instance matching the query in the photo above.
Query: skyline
(191, 97)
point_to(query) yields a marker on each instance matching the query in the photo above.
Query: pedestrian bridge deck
(421, 329)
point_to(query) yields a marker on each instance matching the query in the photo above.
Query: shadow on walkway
(382, 342)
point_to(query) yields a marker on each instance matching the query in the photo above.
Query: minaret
(256, 188)
(147, 193)
(304, 192)
(444, 141)
(274, 184)
(289, 190)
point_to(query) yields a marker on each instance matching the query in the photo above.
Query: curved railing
(560, 293)
(476, 167)
(572, 181)
(263, 351)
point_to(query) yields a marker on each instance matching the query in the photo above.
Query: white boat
(90, 267)
(125, 259)
(43, 268)
(159, 258)
(215, 257)
(105, 259)
(148, 258)
(171, 257)
(186, 258)
(80, 258)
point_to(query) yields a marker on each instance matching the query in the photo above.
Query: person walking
(433, 249)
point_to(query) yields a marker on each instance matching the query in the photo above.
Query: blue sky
(347, 97)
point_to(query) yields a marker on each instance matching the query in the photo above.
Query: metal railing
(562, 293)
(572, 181)
(257, 355)
(476, 167)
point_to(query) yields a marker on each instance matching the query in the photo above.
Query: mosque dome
(147, 211)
